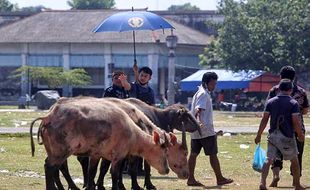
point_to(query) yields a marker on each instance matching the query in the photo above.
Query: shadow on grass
(217, 187)
(289, 187)
(208, 187)
(126, 176)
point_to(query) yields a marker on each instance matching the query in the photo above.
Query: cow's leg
(65, 172)
(92, 170)
(49, 175)
(121, 185)
(132, 170)
(115, 170)
(57, 180)
(84, 163)
(104, 168)
(147, 181)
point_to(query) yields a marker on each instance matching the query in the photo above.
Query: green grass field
(18, 170)
(18, 119)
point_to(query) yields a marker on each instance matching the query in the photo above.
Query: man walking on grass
(299, 94)
(203, 112)
(284, 113)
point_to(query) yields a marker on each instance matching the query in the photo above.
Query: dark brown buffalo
(175, 116)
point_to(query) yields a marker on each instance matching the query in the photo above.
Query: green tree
(55, 76)
(211, 57)
(33, 9)
(263, 34)
(6, 6)
(185, 7)
(91, 4)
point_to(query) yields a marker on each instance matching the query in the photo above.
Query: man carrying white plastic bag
(285, 121)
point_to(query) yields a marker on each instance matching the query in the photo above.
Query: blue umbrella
(132, 21)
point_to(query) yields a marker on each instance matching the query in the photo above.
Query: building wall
(95, 58)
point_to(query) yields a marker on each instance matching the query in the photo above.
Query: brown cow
(173, 117)
(177, 156)
(96, 130)
(177, 151)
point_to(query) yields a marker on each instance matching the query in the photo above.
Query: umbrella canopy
(132, 21)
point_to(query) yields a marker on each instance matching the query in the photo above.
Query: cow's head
(157, 157)
(177, 156)
(181, 117)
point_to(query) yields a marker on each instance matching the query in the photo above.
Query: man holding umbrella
(141, 90)
(134, 21)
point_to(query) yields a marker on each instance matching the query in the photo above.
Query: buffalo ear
(173, 139)
(156, 137)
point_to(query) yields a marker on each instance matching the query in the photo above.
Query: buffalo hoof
(91, 188)
(100, 187)
(114, 188)
(121, 186)
(61, 188)
(136, 188)
(73, 187)
(150, 187)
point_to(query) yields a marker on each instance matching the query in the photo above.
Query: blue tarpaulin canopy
(227, 79)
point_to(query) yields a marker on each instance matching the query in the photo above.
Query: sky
(123, 4)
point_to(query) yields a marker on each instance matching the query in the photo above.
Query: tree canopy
(33, 9)
(55, 76)
(185, 7)
(6, 6)
(262, 34)
(91, 4)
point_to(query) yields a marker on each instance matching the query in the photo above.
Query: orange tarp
(263, 83)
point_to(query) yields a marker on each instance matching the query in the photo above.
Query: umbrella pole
(134, 47)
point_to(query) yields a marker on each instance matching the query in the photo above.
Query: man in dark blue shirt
(116, 90)
(140, 89)
(284, 113)
(299, 94)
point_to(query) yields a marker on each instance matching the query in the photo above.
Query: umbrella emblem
(135, 22)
